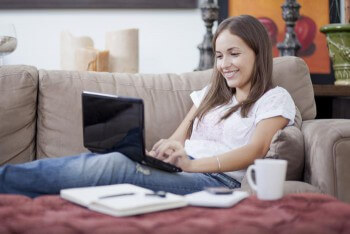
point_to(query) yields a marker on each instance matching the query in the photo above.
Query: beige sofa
(40, 117)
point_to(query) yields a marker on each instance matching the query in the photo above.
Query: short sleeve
(198, 96)
(276, 102)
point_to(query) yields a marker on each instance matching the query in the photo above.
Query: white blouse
(212, 137)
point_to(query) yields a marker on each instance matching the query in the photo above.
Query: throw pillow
(288, 144)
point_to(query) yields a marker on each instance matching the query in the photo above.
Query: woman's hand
(172, 152)
(153, 151)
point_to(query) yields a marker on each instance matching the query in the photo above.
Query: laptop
(116, 124)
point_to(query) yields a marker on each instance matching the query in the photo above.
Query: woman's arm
(180, 133)
(236, 159)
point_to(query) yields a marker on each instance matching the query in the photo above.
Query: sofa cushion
(18, 101)
(293, 74)
(166, 99)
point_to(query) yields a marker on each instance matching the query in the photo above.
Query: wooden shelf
(332, 101)
(332, 90)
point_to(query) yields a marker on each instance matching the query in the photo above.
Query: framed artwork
(91, 4)
(312, 17)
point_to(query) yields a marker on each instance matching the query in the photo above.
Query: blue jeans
(49, 176)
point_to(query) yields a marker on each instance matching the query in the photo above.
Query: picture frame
(326, 76)
(97, 4)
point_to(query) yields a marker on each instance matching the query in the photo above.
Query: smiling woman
(89, 4)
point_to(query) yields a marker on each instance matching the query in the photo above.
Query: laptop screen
(112, 123)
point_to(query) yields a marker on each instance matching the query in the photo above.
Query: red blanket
(299, 213)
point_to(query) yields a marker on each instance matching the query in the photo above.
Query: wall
(168, 38)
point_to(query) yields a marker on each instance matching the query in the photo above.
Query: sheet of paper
(206, 199)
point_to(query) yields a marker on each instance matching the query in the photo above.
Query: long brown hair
(254, 34)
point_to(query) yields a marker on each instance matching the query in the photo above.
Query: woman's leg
(49, 176)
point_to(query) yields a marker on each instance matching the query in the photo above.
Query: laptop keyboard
(161, 165)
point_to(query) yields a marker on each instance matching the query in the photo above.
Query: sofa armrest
(18, 105)
(327, 156)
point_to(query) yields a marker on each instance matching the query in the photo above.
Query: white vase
(123, 47)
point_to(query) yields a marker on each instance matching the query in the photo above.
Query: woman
(230, 125)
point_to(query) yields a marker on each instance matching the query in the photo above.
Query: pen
(161, 194)
(116, 195)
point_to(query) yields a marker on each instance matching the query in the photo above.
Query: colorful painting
(312, 17)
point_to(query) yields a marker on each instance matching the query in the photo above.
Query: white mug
(270, 175)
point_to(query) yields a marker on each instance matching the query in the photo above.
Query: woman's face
(234, 60)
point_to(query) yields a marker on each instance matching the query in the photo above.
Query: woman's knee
(114, 168)
(114, 160)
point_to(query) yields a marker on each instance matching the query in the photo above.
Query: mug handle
(250, 178)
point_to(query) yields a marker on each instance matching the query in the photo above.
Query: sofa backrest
(293, 74)
(18, 102)
(166, 98)
(58, 107)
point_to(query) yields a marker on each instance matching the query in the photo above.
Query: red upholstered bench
(297, 213)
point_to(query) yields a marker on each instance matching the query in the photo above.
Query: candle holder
(290, 14)
(210, 14)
